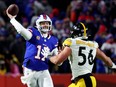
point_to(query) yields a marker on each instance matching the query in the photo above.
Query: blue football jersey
(33, 58)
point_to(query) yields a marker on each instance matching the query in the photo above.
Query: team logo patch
(38, 37)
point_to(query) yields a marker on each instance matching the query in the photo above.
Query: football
(13, 9)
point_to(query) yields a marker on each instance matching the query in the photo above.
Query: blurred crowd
(99, 16)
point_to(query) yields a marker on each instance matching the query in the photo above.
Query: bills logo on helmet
(44, 17)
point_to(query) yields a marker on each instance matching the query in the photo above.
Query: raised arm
(19, 28)
(107, 60)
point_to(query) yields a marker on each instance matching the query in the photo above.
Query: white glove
(113, 66)
(45, 52)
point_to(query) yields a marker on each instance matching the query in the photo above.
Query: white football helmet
(44, 18)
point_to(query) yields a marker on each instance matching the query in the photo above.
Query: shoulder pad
(96, 44)
(67, 42)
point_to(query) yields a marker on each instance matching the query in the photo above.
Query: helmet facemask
(45, 26)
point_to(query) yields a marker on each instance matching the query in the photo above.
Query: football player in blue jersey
(38, 42)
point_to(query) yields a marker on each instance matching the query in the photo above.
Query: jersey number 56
(89, 57)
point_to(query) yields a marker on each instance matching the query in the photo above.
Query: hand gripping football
(13, 9)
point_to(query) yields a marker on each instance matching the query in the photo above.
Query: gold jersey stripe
(85, 43)
(67, 42)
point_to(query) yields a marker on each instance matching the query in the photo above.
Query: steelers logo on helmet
(79, 30)
(44, 23)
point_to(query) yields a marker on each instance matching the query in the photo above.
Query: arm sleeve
(20, 29)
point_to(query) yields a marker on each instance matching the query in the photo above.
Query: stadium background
(98, 15)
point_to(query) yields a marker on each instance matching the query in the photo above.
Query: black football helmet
(79, 31)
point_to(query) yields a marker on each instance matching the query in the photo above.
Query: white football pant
(37, 78)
